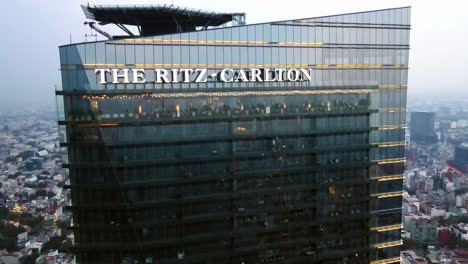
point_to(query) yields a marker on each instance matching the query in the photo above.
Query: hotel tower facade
(198, 142)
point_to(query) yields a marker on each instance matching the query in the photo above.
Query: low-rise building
(423, 229)
(409, 257)
(460, 230)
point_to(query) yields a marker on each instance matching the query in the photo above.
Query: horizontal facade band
(203, 218)
(235, 66)
(188, 181)
(322, 167)
(387, 211)
(387, 261)
(250, 43)
(301, 169)
(391, 110)
(285, 227)
(233, 251)
(390, 144)
(96, 119)
(312, 24)
(388, 178)
(390, 161)
(246, 91)
(174, 161)
(240, 133)
(393, 86)
(225, 216)
(236, 194)
(237, 247)
(196, 140)
(216, 236)
(387, 228)
(386, 195)
(214, 158)
(196, 94)
(321, 132)
(222, 255)
(342, 25)
(322, 149)
(362, 24)
(388, 244)
(197, 199)
(392, 127)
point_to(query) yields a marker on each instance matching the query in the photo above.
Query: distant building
(445, 111)
(422, 129)
(460, 161)
(423, 229)
(33, 164)
(444, 125)
(441, 256)
(445, 237)
(461, 153)
(460, 230)
(438, 182)
(409, 257)
(460, 256)
(43, 153)
(4, 151)
(34, 247)
(10, 258)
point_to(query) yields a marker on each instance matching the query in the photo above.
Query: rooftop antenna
(92, 25)
(90, 35)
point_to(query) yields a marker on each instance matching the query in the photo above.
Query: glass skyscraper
(275, 167)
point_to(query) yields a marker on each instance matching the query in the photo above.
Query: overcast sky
(32, 30)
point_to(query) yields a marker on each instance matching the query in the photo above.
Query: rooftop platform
(158, 19)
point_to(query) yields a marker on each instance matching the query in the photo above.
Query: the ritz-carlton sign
(139, 76)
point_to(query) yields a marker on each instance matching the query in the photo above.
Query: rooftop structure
(158, 19)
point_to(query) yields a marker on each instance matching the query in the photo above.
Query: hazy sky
(32, 30)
